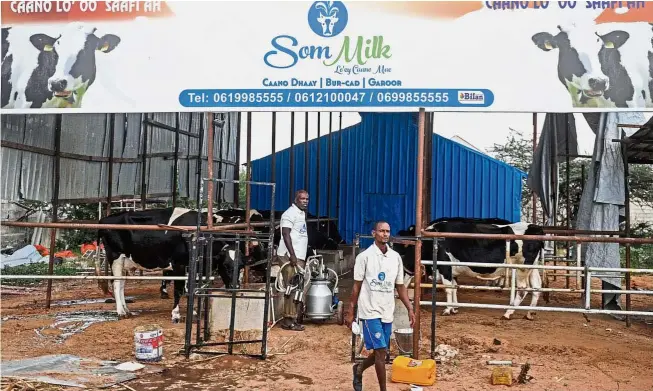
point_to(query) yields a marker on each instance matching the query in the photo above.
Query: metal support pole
(210, 126)
(56, 173)
(329, 171)
(248, 195)
(306, 152)
(627, 228)
(175, 163)
(291, 188)
(340, 136)
(418, 230)
(534, 211)
(237, 168)
(317, 179)
(112, 124)
(433, 293)
(144, 164)
(273, 174)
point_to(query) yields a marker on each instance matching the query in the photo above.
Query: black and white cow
(484, 251)
(158, 250)
(256, 254)
(606, 65)
(41, 71)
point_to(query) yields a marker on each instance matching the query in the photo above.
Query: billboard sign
(154, 56)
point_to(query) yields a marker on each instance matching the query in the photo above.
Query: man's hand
(411, 316)
(293, 261)
(349, 318)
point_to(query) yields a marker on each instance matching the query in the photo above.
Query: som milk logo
(471, 97)
(328, 18)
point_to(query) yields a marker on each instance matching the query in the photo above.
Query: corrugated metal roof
(28, 174)
(376, 178)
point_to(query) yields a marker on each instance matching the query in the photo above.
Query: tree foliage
(517, 150)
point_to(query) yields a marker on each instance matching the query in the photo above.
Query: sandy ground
(566, 351)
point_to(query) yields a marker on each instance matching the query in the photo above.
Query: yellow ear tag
(48, 48)
(548, 46)
(105, 47)
(609, 45)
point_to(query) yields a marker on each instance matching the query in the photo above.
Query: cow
(579, 67)
(256, 253)
(604, 66)
(51, 72)
(484, 251)
(159, 250)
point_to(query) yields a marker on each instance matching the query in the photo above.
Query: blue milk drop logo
(328, 18)
(382, 276)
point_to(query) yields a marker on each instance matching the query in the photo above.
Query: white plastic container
(148, 343)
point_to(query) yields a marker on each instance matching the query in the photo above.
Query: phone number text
(323, 97)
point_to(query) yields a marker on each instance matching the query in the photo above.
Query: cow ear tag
(48, 48)
(609, 45)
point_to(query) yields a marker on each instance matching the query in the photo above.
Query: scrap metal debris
(65, 370)
(68, 324)
(445, 352)
(524, 377)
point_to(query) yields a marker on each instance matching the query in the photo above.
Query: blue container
(377, 177)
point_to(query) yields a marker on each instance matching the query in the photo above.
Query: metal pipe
(340, 136)
(237, 168)
(567, 186)
(329, 171)
(317, 179)
(56, 173)
(210, 126)
(544, 309)
(112, 124)
(159, 227)
(534, 210)
(273, 174)
(291, 188)
(539, 267)
(144, 126)
(627, 227)
(418, 228)
(306, 152)
(175, 163)
(457, 235)
(248, 195)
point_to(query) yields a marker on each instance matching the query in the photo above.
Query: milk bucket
(148, 343)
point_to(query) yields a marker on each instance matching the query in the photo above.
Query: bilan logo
(327, 19)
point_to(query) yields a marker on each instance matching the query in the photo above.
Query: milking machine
(314, 290)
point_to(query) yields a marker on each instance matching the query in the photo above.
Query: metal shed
(372, 177)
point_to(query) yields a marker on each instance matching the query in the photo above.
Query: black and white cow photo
(51, 71)
(605, 65)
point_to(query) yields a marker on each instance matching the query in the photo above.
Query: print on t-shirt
(379, 284)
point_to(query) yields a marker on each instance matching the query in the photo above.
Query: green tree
(517, 150)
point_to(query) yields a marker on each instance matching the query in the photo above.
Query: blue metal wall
(377, 177)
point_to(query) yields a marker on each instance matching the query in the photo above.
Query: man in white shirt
(292, 248)
(377, 272)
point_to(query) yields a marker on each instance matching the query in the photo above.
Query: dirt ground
(565, 350)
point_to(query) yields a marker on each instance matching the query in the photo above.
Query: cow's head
(328, 17)
(579, 60)
(227, 263)
(531, 249)
(75, 48)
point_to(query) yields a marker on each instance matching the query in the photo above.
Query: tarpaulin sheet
(67, 370)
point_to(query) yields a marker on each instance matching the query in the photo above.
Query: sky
(482, 130)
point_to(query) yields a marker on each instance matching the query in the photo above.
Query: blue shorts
(376, 334)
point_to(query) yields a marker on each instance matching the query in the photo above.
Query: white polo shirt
(379, 273)
(295, 219)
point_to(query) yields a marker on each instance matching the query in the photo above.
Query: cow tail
(103, 284)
